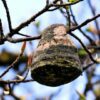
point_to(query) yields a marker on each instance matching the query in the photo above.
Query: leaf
(92, 29)
(37, 24)
(67, 7)
(81, 96)
(97, 91)
(82, 52)
(72, 1)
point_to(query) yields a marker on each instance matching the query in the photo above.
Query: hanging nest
(56, 61)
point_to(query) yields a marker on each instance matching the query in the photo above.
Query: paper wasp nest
(56, 61)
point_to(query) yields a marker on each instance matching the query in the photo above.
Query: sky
(20, 11)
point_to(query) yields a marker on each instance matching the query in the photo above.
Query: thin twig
(26, 74)
(94, 13)
(69, 19)
(10, 66)
(16, 60)
(26, 23)
(94, 47)
(1, 30)
(46, 8)
(88, 66)
(23, 34)
(38, 37)
(8, 14)
(84, 23)
(63, 13)
(1, 33)
(47, 2)
(15, 81)
(74, 19)
(67, 4)
(55, 1)
(53, 9)
(83, 47)
(10, 89)
(23, 39)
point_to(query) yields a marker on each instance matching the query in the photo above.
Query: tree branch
(66, 4)
(8, 14)
(83, 47)
(15, 81)
(46, 8)
(1, 33)
(23, 39)
(84, 23)
(94, 13)
(89, 38)
(14, 62)
(88, 66)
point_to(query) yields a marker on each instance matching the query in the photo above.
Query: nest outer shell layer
(57, 63)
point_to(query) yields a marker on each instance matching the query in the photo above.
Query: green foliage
(37, 24)
(81, 96)
(73, 0)
(82, 52)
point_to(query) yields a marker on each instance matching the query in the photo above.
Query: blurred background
(85, 87)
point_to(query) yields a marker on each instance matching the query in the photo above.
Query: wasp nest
(56, 61)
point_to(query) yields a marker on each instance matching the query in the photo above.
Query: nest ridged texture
(56, 61)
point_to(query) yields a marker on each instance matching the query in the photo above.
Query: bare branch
(1, 30)
(53, 9)
(23, 39)
(94, 47)
(55, 1)
(26, 23)
(89, 38)
(9, 67)
(1, 33)
(45, 9)
(15, 81)
(66, 4)
(94, 13)
(85, 23)
(16, 60)
(88, 66)
(47, 2)
(8, 14)
(23, 34)
(83, 47)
